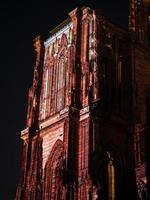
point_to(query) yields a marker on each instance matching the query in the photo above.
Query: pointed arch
(56, 150)
(53, 174)
(110, 172)
(55, 76)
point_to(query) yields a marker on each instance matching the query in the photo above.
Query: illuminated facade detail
(55, 73)
(87, 132)
(111, 178)
(53, 174)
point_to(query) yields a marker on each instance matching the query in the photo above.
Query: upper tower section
(80, 64)
(139, 20)
(56, 70)
(61, 59)
(70, 50)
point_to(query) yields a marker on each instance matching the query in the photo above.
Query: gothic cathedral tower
(82, 124)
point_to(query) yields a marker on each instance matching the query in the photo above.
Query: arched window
(53, 175)
(61, 83)
(55, 78)
(111, 178)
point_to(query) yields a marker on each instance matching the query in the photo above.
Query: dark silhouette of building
(88, 123)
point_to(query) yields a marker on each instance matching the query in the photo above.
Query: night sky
(20, 23)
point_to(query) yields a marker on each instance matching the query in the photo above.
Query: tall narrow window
(139, 144)
(111, 178)
(60, 99)
(45, 93)
(119, 71)
(55, 77)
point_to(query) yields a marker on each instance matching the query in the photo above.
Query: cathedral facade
(88, 122)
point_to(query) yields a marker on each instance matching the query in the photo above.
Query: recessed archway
(53, 174)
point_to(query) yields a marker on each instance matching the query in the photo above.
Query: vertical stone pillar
(35, 90)
(22, 182)
(140, 165)
(75, 16)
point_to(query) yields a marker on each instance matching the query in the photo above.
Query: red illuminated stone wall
(86, 113)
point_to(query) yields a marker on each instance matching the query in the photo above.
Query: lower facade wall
(51, 174)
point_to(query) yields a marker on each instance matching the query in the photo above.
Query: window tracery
(55, 74)
(54, 188)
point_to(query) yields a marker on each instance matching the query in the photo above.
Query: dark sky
(19, 24)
